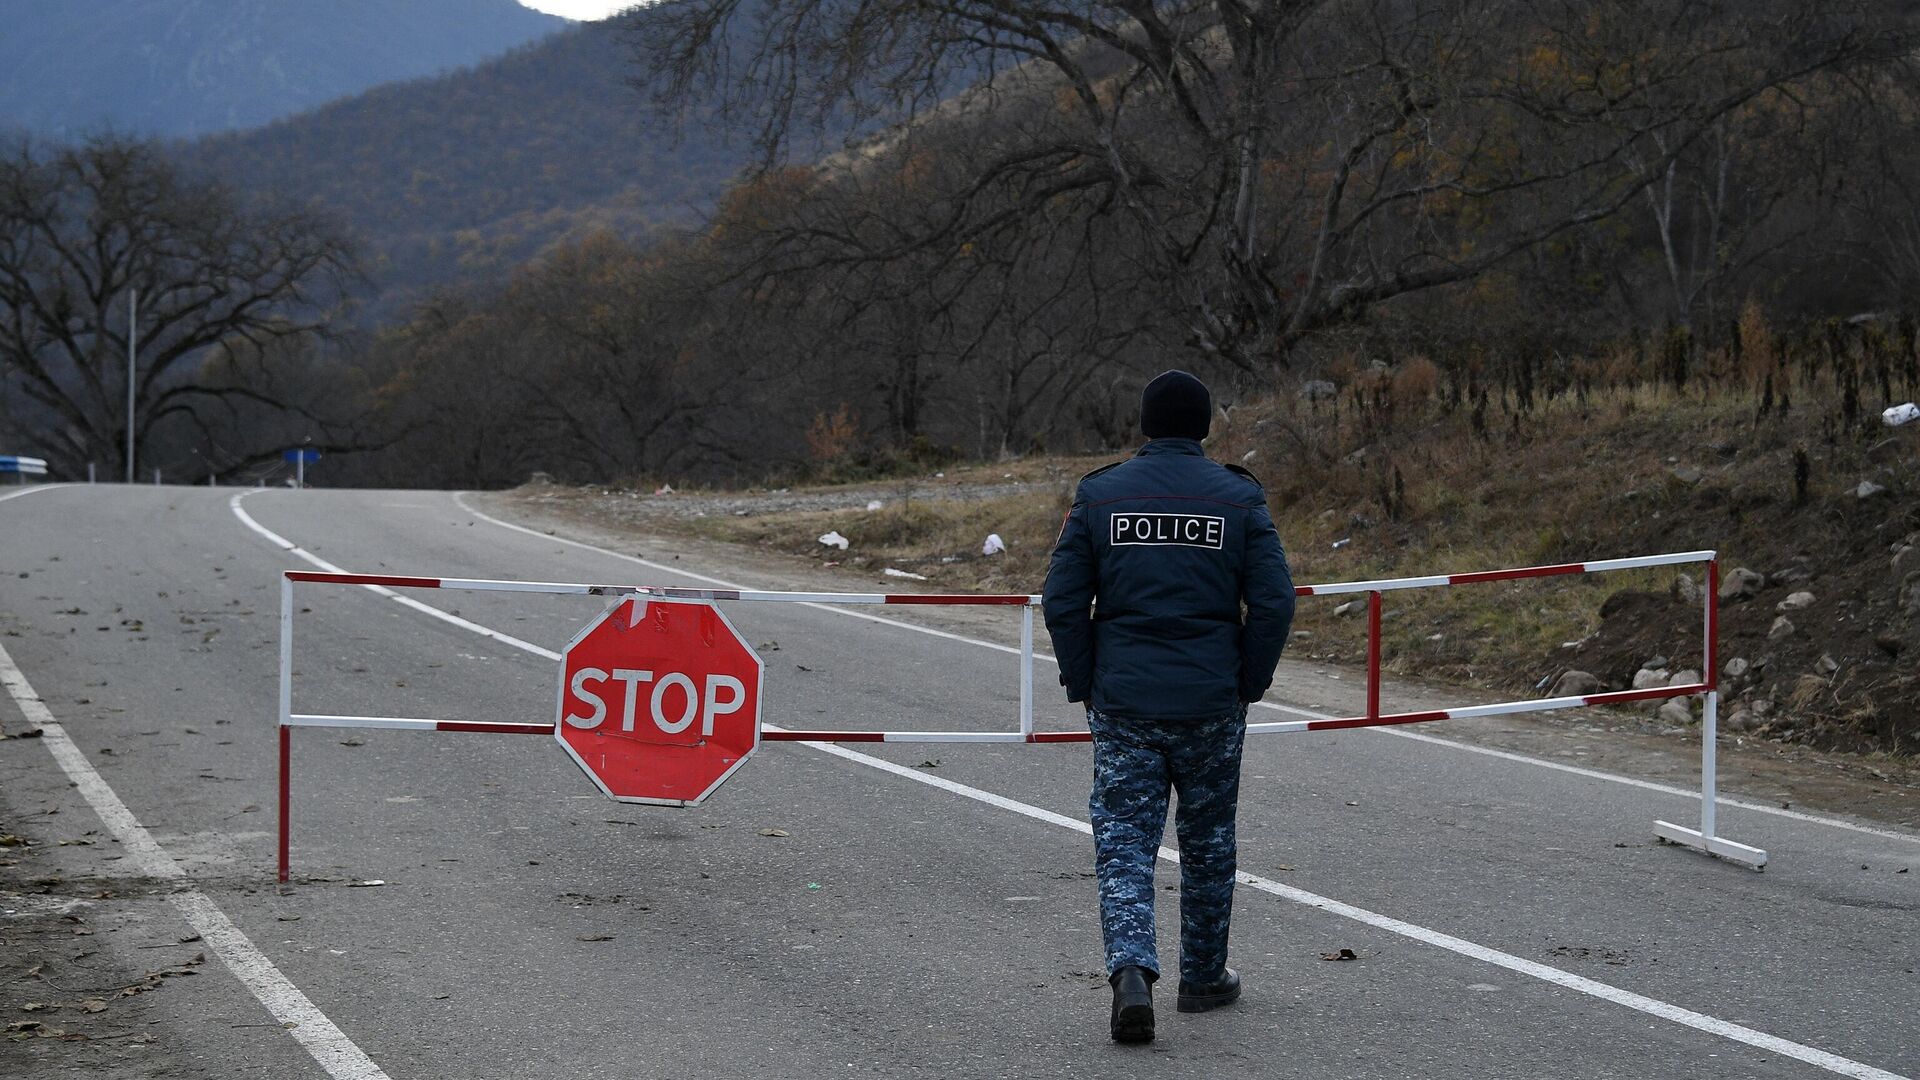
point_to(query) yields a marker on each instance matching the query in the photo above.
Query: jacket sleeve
(1268, 592)
(1067, 601)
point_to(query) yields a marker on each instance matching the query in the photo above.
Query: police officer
(1144, 601)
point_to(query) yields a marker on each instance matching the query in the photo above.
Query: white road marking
(329, 1046)
(459, 499)
(1711, 1025)
(31, 490)
(408, 601)
(1698, 1021)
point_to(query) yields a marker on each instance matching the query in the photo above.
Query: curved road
(901, 911)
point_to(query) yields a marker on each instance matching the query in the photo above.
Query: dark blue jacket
(1144, 594)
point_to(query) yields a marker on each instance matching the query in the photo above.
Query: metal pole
(1709, 766)
(1373, 656)
(300, 470)
(286, 712)
(89, 472)
(133, 348)
(1026, 671)
(1710, 710)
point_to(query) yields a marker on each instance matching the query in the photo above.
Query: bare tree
(1281, 165)
(84, 229)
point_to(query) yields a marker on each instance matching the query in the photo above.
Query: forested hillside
(194, 67)
(466, 176)
(1517, 202)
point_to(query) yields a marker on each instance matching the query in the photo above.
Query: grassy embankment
(1632, 471)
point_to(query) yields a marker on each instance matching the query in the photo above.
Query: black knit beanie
(1175, 405)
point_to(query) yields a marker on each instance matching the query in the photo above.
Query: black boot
(1132, 1004)
(1199, 997)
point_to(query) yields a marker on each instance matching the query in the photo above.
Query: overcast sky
(580, 9)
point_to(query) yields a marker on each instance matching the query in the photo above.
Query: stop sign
(659, 701)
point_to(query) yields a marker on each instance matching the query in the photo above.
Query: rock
(1675, 712)
(1576, 684)
(1647, 678)
(1741, 720)
(1905, 560)
(1782, 628)
(1351, 607)
(1741, 583)
(1685, 474)
(1910, 593)
(1826, 665)
(1247, 458)
(1685, 677)
(1656, 663)
(1735, 668)
(1788, 576)
(1795, 602)
(1303, 635)
(1889, 644)
(1685, 589)
(1868, 489)
(1317, 390)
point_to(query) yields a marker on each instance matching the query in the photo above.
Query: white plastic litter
(891, 572)
(663, 489)
(834, 540)
(874, 504)
(994, 545)
(1901, 414)
(1338, 544)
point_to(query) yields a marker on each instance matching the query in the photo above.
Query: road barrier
(1705, 838)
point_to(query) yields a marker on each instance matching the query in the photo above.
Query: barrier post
(1705, 839)
(286, 714)
(1026, 671)
(1373, 655)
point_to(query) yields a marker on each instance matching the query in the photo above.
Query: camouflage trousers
(1135, 763)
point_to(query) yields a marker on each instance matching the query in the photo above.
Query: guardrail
(23, 467)
(1703, 839)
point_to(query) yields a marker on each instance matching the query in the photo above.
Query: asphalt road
(929, 910)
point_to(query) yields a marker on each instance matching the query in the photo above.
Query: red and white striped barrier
(1704, 839)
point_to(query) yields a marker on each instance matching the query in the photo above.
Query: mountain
(183, 68)
(466, 175)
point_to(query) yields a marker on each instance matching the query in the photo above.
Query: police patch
(1186, 530)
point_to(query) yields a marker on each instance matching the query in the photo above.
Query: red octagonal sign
(659, 701)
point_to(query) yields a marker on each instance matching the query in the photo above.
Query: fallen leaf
(33, 1006)
(353, 742)
(92, 1005)
(594, 937)
(774, 832)
(1343, 954)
